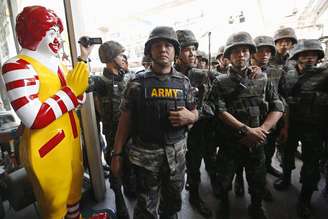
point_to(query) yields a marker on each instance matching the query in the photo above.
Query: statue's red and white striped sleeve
(22, 84)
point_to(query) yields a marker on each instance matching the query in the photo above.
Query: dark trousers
(312, 139)
(200, 144)
(230, 157)
(270, 147)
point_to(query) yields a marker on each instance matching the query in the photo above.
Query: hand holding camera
(87, 44)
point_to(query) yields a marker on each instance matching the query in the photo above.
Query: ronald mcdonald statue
(45, 96)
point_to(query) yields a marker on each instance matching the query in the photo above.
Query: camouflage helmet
(109, 50)
(146, 59)
(307, 45)
(220, 52)
(239, 39)
(283, 33)
(187, 38)
(214, 60)
(162, 32)
(200, 54)
(267, 41)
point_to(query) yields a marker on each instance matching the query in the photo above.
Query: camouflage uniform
(274, 73)
(307, 96)
(200, 142)
(220, 68)
(159, 149)
(279, 59)
(108, 90)
(200, 135)
(249, 101)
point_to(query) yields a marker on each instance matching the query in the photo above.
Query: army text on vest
(158, 97)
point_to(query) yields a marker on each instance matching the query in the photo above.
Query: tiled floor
(283, 206)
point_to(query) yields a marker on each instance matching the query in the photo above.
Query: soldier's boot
(256, 211)
(121, 209)
(165, 216)
(274, 172)
(284, 182)
(239, 185)
(197, 203)
(268, 197)
(304, 204)
(224, 207)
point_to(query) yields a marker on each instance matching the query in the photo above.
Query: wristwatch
(82, 60)
(114, 153)
(242, 131)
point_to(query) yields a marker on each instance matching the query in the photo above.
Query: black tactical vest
(307, 96)
(245, 98)
(158, 97)
(110, 98)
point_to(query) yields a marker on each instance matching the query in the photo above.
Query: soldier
(125, 63)
(128, 74)
(156, 110)
(204, 63)
(196, 143)
(265, 50)
(146, 62)
(201, 60)
(284, 39)
(108, 90)
(214, 63)
(223, 62)
(248, 109)
(306, 91)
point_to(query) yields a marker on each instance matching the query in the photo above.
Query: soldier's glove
(77, 79)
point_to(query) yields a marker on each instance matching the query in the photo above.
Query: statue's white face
(50, 44)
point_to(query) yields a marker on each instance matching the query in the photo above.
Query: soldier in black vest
(265, 50)
(146, 62)
(157, 109)
(284, 39)
(223, 62)
(198, 137)
(248, 109)
(305, 89)
(108, 92)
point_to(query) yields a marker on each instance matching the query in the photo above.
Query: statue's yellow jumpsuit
(52, 154)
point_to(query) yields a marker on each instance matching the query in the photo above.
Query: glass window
(7, 48)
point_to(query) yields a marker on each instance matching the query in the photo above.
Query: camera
(88, 41)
